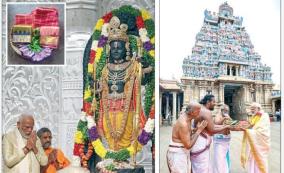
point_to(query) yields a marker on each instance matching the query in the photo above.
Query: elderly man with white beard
(22, 150)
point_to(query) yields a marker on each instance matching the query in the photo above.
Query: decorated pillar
(191, 90)
(178, 105)
(251, 90)
(221, 93)
(257, 94)
(160, 106)
(246, 93)
(237, 70)
(186, 95)
(267, 93)
(273, 105)
(230, 70)
(167, 103)
(174, 106)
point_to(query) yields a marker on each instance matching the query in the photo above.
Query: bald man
(256, 141)
(182, 140)
(22, 150)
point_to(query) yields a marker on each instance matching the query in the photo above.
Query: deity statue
(120, 86)
(118, 61)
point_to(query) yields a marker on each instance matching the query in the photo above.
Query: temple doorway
(234, 98)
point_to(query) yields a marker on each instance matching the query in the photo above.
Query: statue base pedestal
(120, 167)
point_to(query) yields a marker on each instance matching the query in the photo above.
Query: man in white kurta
(22, 150)
(256, 142)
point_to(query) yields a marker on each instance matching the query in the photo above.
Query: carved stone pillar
(237, 70)
(167, 103)
(221, 93)
(267, 94)
(186, 95)
(81, 16)
(178, 105)
(246, 92)
(174, 107)
(160, 106)
(258, 94)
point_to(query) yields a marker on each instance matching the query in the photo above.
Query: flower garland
(95, 58)
(94, 138)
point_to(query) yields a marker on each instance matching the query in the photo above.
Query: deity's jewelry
(117, 31)
(118, 67)
(130, 69)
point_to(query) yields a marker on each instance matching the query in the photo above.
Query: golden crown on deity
(116, 30)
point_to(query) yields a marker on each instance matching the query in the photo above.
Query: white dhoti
(221, 163)
(178, 158)
(252, 166)
(256, 146)
(200, 155)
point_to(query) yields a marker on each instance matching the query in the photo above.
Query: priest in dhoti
(221, 143)
(200, 151)
(256, 141)
(183, 139)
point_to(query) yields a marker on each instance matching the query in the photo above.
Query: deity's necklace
(114, 77)
(117, 74)
(116, 134)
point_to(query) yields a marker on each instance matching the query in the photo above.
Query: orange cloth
(62, 160)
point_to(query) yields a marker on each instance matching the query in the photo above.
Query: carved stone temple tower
(223, 62)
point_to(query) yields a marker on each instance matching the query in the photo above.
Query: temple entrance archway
(235, 99)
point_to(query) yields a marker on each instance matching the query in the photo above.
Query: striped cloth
(43, 16)
(23, 19)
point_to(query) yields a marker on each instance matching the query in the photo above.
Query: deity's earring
(127, 51)
(107, 51)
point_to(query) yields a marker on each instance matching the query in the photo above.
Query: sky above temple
(181, 21)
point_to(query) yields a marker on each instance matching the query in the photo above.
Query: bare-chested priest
(200, 152)
(183, 139)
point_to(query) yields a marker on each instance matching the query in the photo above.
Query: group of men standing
(195, 129)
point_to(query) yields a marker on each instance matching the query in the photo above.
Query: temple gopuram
(224, 63)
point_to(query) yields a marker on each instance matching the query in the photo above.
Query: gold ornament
(116, 30)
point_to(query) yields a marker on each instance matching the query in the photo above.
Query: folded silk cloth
(49, 31)
(21, 33)
(38, 56)
(23, 19)
(43, 16)
(49, 36)
(49, 41)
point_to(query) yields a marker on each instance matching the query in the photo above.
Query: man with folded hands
(183, 139)
(22, 150)
(56, 158)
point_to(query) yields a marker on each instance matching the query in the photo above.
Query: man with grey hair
(221, 142)
(183, 139)
(256, 141)
(22, 150)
